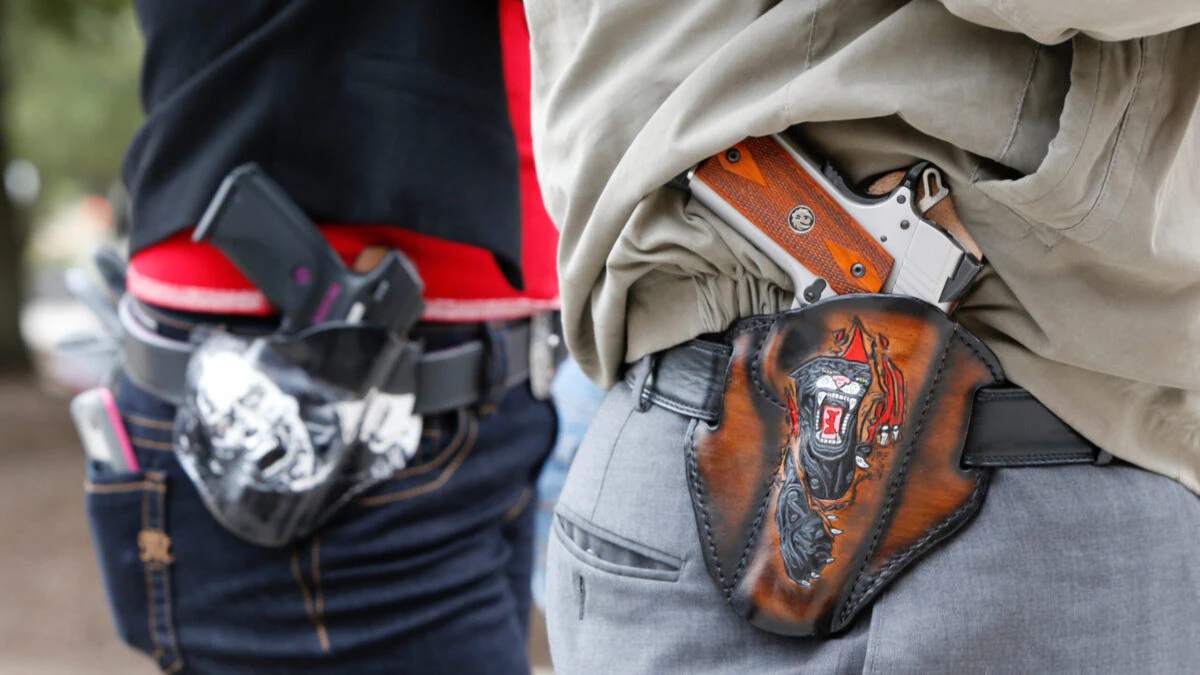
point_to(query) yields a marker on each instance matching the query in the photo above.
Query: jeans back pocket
(127, 514)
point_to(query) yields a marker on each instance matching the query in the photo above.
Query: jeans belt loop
(645, 382)
(495, 363)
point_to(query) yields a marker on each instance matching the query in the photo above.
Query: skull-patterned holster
(836, 461)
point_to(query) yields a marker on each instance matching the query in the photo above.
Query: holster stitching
(752, 540)
(900, 559)
(755, 373)
(987, 363)
(856, 596)
(698, 490)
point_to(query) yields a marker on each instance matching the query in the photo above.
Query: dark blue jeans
(428, 573)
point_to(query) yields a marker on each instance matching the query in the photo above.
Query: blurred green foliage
(72, 102)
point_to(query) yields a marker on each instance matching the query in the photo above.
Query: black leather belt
(463, 375)
(1009, 427)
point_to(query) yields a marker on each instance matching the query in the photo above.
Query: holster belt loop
(1009, 427)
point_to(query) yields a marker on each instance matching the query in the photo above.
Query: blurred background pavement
(68, 105)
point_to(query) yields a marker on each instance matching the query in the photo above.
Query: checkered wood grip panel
(759, 179)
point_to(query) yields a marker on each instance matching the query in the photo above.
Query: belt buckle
(544, 345)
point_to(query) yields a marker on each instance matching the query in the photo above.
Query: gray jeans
(1073, 569)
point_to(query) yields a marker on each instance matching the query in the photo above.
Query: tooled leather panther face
(833, 406)
(830, 392)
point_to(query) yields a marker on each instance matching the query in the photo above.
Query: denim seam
(168, 610)
(151, 615)
(309, 606)
(148, 444)
(137, 486)
(168, 425)
(322, 628)
(447, 473)
(518, 508)
(443, 456)
(158, 579)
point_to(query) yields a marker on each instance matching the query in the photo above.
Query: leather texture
(446, 379)
(837, 458)
(1009, 427)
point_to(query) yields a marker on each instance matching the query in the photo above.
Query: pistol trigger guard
(932, 197)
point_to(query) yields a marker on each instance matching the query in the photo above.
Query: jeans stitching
(309, 606)
(168, 425)
(138, 486)
(158, 583)
(451, 447)
(151, 615)
(164, 572)
(148, 444)
(319, 606)
(451, 468)
(517, 509)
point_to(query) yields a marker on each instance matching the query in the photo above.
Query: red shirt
(462, 282)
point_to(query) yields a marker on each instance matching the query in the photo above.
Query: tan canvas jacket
(1070, 131)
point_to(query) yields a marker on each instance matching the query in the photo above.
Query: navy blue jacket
(365, 111)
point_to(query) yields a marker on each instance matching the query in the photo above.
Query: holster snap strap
(835, 459)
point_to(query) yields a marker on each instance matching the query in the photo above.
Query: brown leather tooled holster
(836, 461)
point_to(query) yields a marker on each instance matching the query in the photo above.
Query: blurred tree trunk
(14, 357)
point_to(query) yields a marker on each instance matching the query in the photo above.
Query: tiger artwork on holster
(841, 408)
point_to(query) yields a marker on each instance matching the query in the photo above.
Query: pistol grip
(294, 267)
(771, 190)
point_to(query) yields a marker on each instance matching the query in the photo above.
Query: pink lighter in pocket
(101, 430)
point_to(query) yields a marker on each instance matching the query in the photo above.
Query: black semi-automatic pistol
(266, 235)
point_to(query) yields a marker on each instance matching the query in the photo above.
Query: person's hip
(414, 569)
(1049, 548)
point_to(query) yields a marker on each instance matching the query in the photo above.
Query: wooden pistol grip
(759, 179)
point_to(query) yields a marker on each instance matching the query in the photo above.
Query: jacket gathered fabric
(1069, 131)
